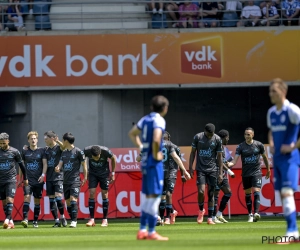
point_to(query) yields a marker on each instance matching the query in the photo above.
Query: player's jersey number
(165, 154)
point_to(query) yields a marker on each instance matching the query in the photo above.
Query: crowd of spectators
(194, 14)
(12, 14)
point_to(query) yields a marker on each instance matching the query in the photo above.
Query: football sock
(169, 209)
(248, 203)
(162, 208)
(210, 212)
(53, 208)
(224, 202)
(105, 204)
(256, 201)
(92, 208)
(216, 198)
(36, 212)
(74, 210)
(201, 206)
(289, 211)
(25, 210)
(60, 205)
(9, 209)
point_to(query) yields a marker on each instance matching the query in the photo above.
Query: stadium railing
(113, 14)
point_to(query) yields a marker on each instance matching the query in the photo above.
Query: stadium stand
(143, 14)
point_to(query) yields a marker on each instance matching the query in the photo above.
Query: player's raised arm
(180, 164)
(61, 145)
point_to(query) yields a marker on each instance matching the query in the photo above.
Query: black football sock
(105, 204)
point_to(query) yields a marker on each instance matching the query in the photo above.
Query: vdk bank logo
(202, 57)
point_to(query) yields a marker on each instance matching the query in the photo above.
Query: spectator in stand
(153, 7)
(188, 15)
(30, 6)
(270, 14)
(233, 6)
(15, 18)
(3, 9)
(251, 15)
(172, 8)
(208, 14)
(291, 12)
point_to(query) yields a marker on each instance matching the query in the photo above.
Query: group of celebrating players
(283, 120)
(60, 162)
(160, 159)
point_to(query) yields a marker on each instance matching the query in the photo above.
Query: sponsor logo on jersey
(205, 153)
(68, 166)
(5, 165)
(33, 166)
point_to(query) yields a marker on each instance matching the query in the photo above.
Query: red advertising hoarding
(125, 195)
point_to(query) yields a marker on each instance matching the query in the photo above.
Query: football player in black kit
(171, 161)
(250, 152)
(54, 182)
(208, 148)
(36, 166)
(9, 156)
(99, 173)
(70, 161)
(224, 185)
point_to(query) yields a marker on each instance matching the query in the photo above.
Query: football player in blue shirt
(151, 127)
(283, 120)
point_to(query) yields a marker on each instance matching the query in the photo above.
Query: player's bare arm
(266, 161)
(233, 162)
(157, 136)
(191, 161)
(85, 172)
(180, 164)
(58, 167)
(134, 136)
(59, 143)
(231, 173)
(286, 149)
(113, 168)
(45, 167)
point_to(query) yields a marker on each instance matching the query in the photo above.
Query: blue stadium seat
(229, 19)
(41, 8)
(25, 7)
(42, 23)
(159, 21)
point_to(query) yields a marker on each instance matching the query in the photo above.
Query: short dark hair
(210, 128)
(249, 128)
(158, 103)
(223, 133)
(50, 134)
(4, 136)
(167, 134)
(281, 84)
(69, 137)
(95, 150)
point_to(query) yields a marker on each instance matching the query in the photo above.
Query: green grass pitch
(186, 234)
